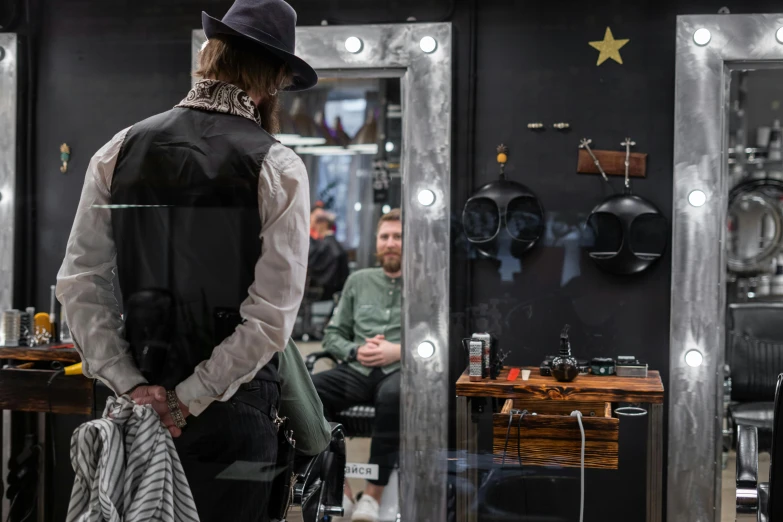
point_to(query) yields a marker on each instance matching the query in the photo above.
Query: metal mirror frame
(9, 71)
(426, 78)
(8, 102)
(698, 297)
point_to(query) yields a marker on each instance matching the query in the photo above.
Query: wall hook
(535, 126)
(65, 155)
(561, 126)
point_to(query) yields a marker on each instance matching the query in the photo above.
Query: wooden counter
(38, 389)
(66, 356)
(552, 437)
(585, 388)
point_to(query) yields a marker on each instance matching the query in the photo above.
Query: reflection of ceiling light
(386, 209)
(365, 148)
(702, 36)
(353, 44)
(428, 44)
(291, 140)
(357, 207)
(779, 35)
(426, 197)
(325, 150)
(389, 146)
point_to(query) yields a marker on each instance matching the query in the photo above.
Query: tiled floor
(728, 488)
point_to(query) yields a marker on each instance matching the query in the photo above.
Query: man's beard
(270, 114)
(390, 264)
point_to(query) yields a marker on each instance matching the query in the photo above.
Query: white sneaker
(348, 506)
(367, 510)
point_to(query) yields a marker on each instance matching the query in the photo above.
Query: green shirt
(370, 305)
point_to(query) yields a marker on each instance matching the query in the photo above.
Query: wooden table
(593, 389)
(37, 390)
(34, 390)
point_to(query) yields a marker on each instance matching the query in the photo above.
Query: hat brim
(304, 76)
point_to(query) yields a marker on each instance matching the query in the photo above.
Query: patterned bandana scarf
(217, 96)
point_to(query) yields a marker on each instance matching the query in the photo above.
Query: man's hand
(155, 396)
(378, 352)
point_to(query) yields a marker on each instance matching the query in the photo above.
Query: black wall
(104, 65)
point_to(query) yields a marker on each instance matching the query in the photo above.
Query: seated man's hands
(155, 396)
(378, 352)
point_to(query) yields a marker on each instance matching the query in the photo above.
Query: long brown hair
(251, 68)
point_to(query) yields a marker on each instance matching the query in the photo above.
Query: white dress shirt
(85, 283)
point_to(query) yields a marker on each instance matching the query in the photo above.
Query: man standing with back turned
(365, 333)
(204, 217)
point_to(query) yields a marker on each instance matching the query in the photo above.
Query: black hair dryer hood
(503, 207)
(630, 234)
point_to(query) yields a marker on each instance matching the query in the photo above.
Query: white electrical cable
(578, 415)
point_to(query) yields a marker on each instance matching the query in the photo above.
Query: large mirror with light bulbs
(726, 337)
(375, 136)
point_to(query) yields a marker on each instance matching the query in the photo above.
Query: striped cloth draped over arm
(127, 469)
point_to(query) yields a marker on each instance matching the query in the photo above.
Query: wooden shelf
(40, 353)
(31, 390)
(613, 163)
(554, 439)
(585, 388)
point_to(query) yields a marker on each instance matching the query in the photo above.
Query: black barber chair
(357, 420)
(318, 489)
(761, 502)
(754, 354)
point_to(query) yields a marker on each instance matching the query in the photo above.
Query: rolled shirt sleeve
(273, 301)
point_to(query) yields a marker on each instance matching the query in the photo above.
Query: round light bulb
(697, 198)
(389, 146)
(779, 35)
(386, 209)
(693, 358)
(702, 36)
(426, 349)
(357, 207)
(428, 44)
(426, 197)
(353, 44)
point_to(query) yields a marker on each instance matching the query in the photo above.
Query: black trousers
(224, 433)
(343, 387)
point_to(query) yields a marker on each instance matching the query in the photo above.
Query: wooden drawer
(29, 390)
(552, 436)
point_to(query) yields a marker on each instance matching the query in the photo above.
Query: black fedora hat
(269, 23)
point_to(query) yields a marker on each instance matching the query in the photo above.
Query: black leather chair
(357, 420)
(760, 502)
(314, 313)
(754, 354)
(318, 489)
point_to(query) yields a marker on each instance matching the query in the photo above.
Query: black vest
(186, 226)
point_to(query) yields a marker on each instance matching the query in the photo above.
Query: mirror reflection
(348, 133)
(754, 263)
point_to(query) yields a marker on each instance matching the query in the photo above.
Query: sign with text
(361, 471)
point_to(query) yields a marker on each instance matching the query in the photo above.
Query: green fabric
(301, 404)
(370, 305)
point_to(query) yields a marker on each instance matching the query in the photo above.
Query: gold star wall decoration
(609, 48)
